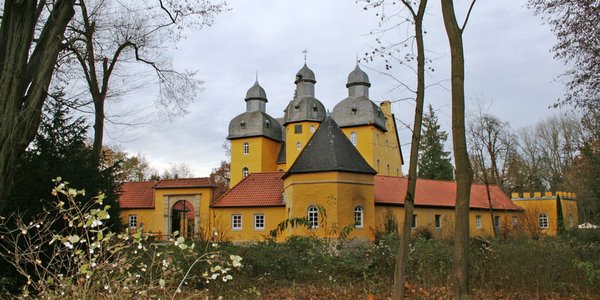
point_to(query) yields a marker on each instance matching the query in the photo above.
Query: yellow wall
(221, 222)
(157, 220)
(375, 145)
(336, 194)
(426, 220)
(262, 156)
(292, 138)
(537, 203)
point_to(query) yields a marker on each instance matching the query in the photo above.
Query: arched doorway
(182, 218)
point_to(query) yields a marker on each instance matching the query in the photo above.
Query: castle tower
(370, 128)
(255, 137)
(331, 184)
(303, 115)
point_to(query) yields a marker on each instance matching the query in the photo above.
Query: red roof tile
(141, 194)
(137, 194)
(183, 182)
(391, 190)
(258, 189)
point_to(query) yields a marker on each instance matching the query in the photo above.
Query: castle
(339, 173)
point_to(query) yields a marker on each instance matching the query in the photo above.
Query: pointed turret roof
(330, 150)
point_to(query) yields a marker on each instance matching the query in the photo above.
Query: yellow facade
(222, 222)
(541, 217)
(260, 156)
(380, 149)
(297, 135)
(336, 195)
(480, 221)
(159, 219)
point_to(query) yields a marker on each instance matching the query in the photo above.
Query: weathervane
(305, 52)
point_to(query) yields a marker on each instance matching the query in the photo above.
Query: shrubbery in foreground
(68, 252)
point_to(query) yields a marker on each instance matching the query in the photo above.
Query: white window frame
(478, 222)
(359, 216)
(245, 172)
(259, 221)
(246, 148)
(312, 128)
(132, 221)
(313, 217)
(515, 221)
(543, 221)
(236, 222)
(298, 145)
(354, 138)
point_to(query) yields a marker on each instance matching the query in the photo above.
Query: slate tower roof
(330, 150)
(304, 106)
(255, 121)
(357, 109)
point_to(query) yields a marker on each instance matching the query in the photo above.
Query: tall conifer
(434, 162)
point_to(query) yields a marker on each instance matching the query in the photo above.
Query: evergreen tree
(434, 162)
(59, 149)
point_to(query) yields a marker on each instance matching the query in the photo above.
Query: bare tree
(31, 37)
(576, 24)
(416, 14)
(180, 170)
(106, 39)
(464, 172)
(490, 141)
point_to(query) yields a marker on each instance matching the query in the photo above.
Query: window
(387, 145)
(298, 128)
(358, 217)
(245, 172)
(353, 138)
(298, 145)
(414, 221)
(438, 221)
(497, 222)
(236, 222)
(570, 220)
(132, 221)
(259, 221)
(312, 128)
(313, 216)
(246, 148)
(514, 221)
(478, 222)
(377, 165)
(543, 220)
(388, 169)
(397, 172)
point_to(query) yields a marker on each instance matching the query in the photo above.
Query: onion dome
(305, 74)
(255, 121)
(256, 98)
(357, 109)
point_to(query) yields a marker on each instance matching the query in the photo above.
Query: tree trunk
(464, 173)
(98, 128)
(25, 75)
(409, 199)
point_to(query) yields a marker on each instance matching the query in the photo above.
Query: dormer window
(267, 123)
(243, 124)
(315, 107)
(297, 108)
(354, 110)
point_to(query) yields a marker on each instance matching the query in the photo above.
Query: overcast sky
(507, 61)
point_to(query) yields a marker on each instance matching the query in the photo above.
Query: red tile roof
(137, 194)
(184, 182)
(141, 194)
(258, 189)
(391, 190)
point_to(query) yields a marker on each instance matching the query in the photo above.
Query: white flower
(68, 245)
(96, 223)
